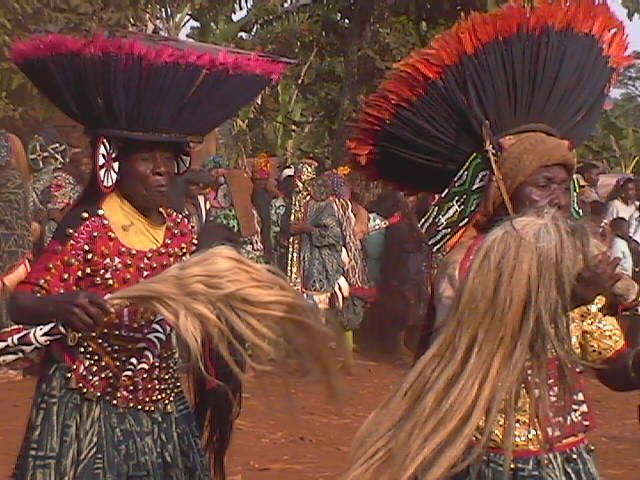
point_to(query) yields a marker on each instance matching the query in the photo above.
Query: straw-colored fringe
(511, 309)
(235, 301)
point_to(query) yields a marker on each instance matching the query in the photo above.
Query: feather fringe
(412, 78)
(42, 46)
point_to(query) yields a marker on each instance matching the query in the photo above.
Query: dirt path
(301, 437)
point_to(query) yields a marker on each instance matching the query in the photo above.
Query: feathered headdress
(546, 68)
(144, 87)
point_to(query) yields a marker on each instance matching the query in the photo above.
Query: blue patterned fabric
(73, 437)
(574, 464)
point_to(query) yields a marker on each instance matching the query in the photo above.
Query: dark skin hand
(78, 311)
(144, 179)
(597, 278)
(301, 227)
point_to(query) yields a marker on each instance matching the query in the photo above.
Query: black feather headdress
(547, 67)
(145, 87)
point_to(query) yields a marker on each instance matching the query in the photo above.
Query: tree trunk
(359, 34)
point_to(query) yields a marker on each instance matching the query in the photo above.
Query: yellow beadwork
(595, 337)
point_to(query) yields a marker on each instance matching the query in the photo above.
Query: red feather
(411, 77)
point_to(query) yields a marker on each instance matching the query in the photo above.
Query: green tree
(616, 141)
(344, 49)
(632, 7)
(21, 107)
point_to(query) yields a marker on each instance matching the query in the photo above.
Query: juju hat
(543, 68)
(145, 87)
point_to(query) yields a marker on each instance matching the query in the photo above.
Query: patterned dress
(250, 247)
(110, 406)
(61, 193)
(15, 222)
(554, 447)
(278, 209)
(323, 267)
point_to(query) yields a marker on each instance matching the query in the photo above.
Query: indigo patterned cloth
(73, 437)
(574, 464)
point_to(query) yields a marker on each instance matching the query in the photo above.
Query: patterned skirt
(574, 464)
(72, 437)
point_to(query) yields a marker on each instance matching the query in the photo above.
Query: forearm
(623, 373)
(28, 309)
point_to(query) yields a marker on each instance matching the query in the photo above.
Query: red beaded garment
(132, 360)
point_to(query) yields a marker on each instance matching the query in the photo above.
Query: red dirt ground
(302, 437)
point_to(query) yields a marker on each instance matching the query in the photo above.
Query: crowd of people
(611, 202)
(358, 263)
(126, 271)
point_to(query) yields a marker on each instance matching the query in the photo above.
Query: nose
(560, 198)
(160, 166)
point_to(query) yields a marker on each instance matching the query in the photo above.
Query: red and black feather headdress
(547, 68)
(145, 87)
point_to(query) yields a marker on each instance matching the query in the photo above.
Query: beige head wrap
(523, 154)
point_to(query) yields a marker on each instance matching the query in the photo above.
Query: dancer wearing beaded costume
(493, 109)
(109, 404)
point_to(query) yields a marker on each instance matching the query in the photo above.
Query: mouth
(161, 187)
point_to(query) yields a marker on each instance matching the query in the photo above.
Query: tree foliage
(21, 106)
(616, 141)
(343, 49)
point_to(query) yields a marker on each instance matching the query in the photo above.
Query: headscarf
(321, 187)
(340, 188)
(215, 162)
(288, 171)
(523, 154)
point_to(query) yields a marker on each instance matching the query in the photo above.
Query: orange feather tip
(410, 78)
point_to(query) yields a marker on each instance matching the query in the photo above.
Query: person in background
(597, 217)
(261, 199)
(589, 173)
(361, 216)
(402, 289)
(66, 185)
(620, 245)
(15, 230)
(280, 213)
(359, 293)
(623, 202)
(324, 270)
(196, 206)
(231, 205)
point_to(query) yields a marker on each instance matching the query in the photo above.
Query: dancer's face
(547, 187)
(145, 176)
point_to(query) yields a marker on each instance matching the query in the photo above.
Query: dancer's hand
(596, 279)
(78, 311)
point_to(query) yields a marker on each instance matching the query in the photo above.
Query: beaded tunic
(131, 360)
(596, 338)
